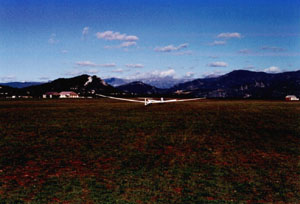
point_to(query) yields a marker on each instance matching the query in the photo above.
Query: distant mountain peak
(139, 88)
(138, 83)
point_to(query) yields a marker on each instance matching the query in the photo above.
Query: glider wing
(121, 99)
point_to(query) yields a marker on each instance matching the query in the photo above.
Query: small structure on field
(291, 98)
(51, 95)
(68, 94)
(63, 94)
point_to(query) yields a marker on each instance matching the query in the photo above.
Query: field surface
(104, 151)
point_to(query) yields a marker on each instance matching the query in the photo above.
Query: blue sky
(45, 40)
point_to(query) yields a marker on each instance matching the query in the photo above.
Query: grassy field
(104, 151)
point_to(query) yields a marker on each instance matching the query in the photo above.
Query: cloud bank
(218, 64)
(128, 44)
(170, 48)
(272, 69)
(229, 35)
(92, 64)
(273, 49)
(134, 65)
(218, 42)
(169, 73)
(111, 35)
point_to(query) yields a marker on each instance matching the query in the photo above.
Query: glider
(147, 101)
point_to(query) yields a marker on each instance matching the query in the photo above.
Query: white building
(51, 95)
(68, 94)
(291, 98)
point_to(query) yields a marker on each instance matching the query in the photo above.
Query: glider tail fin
(147, 102)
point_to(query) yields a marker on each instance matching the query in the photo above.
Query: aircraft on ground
(147, 101)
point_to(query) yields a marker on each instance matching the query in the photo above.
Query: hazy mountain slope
(244, 84)
(21, 84)
(140, 88)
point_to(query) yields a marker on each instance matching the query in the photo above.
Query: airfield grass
(104, 151)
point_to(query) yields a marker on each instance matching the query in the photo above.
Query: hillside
(140, 88)
(83, 85)
(6, 91)
(243, 84)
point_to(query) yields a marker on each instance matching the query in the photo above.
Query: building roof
(68, 93)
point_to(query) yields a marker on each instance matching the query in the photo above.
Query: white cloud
(272, 69)
(52, 39)
(213, 74)
(111, 35)
(166, 73)
(85, 31)
(213, 57)
(218, 42)
(74, 72)
(229, 35)
(118, 71)
(273, 49)
(128, 44)
(245, 51)
(64, 51)
(92, 64)
(92, 71)
(134, 65)
(77, 72)
(218, 64)
(124, 45)
(169, 73)
(187, 52)
(44, 78)
(109, 47)
(86, 64)
(108, 65)
(170, 48)
(189, 75)
(131, 38)
(8, 78)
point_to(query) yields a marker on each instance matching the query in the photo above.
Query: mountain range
(243, 84)
(21, 84)
(83, 85)
(236, 84)
(158, 82)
